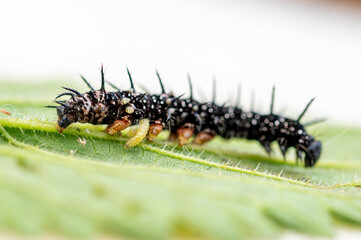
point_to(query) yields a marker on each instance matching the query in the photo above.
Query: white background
(305, 48)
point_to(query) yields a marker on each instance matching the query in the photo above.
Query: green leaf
(83, 183)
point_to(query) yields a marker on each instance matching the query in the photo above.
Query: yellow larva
(132, 131)
(141, 133)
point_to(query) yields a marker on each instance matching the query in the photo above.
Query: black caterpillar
(185, 117)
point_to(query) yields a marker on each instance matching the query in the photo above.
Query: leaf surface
(83, 183)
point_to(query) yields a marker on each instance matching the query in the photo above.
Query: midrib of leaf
(35, 125)
(96, 131)
(108, 168)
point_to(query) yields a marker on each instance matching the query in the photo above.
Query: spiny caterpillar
(185, 117)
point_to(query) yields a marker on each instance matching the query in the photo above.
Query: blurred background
(305, 48)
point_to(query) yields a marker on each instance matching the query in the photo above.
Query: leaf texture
(84, 184)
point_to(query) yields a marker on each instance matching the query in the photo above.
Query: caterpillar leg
(140, 134)
(267, 146)
(283, 146)
(203, 137)
(184, 133)
(154, 130)
(118, 125)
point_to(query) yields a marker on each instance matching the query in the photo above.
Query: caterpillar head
(313, 153)
(96, 106)
(66, 116)
(90, 107)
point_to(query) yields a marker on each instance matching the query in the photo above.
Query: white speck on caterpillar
(125, 101)
(129, 110)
